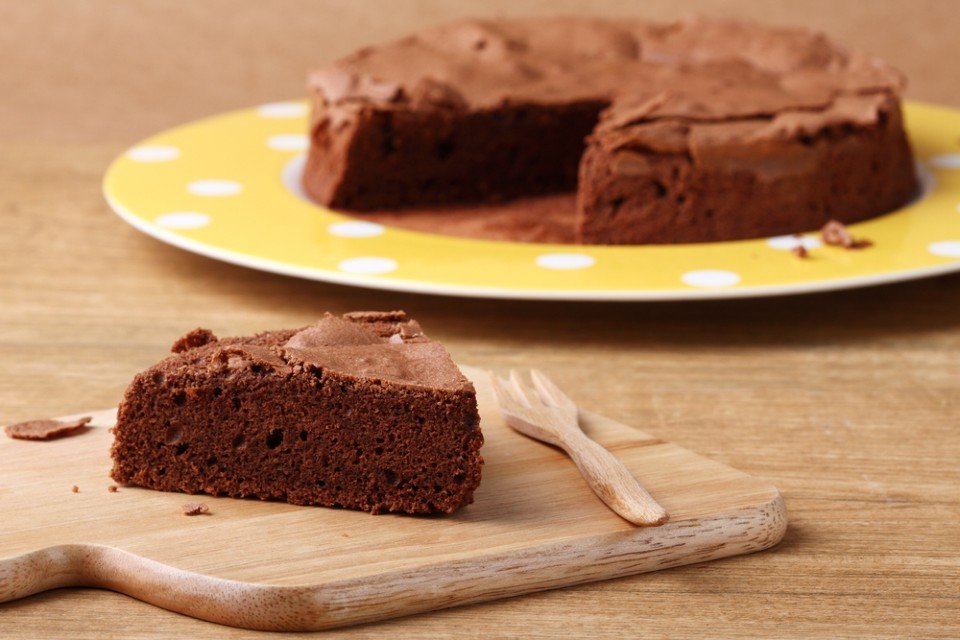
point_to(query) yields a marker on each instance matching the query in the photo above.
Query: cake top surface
(374, 346)
(694, 69)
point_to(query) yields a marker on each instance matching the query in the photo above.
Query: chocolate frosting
(691, 71)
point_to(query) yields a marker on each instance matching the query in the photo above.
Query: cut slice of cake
(362, 412)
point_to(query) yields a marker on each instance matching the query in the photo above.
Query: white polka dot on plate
(153, 153)
(355, 229)
(282, 110)
(789, 243)
(945, 249)
(368, 265)
(288, 142)
(183, 220)
(565, 261)
(711, 278)
(946, 161)
(214, 188)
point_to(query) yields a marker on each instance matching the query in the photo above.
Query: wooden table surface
(847, 401)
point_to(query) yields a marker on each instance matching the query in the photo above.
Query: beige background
(847, 401)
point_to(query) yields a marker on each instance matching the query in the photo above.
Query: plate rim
(492, 292)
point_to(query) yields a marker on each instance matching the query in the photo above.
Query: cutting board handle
(31, 573)
(217, 600)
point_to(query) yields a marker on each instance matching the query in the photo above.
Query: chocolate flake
(193, 339)
(430, 92)
(249, 355)
(375, 316)
(196, 509)
(635, 114)
(46, 429)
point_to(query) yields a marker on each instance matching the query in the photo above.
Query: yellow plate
(226, 187)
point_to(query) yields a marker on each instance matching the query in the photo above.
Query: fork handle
(611, 481)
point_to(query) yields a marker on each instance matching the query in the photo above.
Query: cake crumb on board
(196, 509)
(46, 429)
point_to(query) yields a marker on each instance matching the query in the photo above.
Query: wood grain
(279, 567)
(846, 401)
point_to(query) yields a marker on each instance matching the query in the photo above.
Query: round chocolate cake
(694, 131)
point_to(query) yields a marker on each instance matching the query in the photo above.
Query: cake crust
(693, 131)
(362, 411)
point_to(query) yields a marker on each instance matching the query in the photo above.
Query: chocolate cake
(363, 412)
(686, 132)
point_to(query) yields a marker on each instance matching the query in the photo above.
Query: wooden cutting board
(535, 525)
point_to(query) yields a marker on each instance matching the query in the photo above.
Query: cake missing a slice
(695, 131)
(361, 411)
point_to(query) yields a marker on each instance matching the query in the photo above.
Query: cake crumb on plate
(836, 233)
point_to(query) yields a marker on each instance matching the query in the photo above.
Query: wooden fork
(545, 413)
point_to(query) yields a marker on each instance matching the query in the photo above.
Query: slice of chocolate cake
(363, 412)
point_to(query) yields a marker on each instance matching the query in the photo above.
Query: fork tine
(550, 392)
(511, 396)
(497, 384)
(502, 390)
(519, 390)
